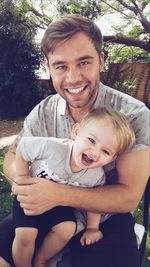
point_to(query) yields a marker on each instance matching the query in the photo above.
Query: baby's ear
(114, 157)
(75, 130)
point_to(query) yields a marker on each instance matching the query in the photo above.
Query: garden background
(23, 76)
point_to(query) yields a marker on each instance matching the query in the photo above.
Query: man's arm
(133, 170)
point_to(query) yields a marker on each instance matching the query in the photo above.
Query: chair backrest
(146, 207)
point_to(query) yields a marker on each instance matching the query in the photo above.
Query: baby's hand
(91, 236)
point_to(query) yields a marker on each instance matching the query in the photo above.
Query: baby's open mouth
(86, 160)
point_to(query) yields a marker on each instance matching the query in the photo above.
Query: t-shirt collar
(99, 102)
(62, 107)
(62, 104)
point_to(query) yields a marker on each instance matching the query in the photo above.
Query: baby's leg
(23, 246)
(55, 241)
(4, 263)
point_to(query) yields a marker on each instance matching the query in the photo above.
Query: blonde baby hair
(124, 131)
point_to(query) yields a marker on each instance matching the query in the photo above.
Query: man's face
(75, 70)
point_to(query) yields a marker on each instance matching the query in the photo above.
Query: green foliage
(5, 197)
(126, 86)
(6, 205)
(138, 213)
(133, 21)
(88, 8)
(19, 59)
(38, 12)
(135, 31)
(118, 53)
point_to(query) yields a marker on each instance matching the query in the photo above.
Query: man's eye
(91, 140)
(62, 67)
(84, 63)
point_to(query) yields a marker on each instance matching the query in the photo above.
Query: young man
(72, 45)
(102, 135)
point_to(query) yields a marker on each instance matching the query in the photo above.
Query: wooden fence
(131, 78)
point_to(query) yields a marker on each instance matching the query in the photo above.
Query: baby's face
(95, 145)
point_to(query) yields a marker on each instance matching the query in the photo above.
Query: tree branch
(132, 8)
(112, 7)
(119, 11)
(138, 12)
(127, 41)
(35, 12)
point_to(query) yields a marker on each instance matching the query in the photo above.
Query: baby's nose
(95, 155)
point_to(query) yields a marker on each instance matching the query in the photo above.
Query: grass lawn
(10, 127)
(5, 197)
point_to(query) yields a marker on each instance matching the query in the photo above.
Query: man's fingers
(37, 197)
(29, 212)
(88, 241)
(23, 199)
(25, 180)
(82, 241)
(17, 189)
(22, 189)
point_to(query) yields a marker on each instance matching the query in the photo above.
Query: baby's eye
(91, 140)
(106, 152)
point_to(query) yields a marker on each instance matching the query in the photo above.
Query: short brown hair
(65, 27)
(124, 131)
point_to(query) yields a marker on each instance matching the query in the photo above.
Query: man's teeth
(75, 90)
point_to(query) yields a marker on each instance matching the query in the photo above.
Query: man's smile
(76, 90)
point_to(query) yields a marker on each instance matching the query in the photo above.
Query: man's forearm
(42, 194)
(121, 197)
(107, 199)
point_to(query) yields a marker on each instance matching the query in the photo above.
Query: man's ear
(47, 68)
(101, 61)
(75, 130)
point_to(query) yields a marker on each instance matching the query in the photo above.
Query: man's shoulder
(48, 104)
(50, 100)
(39, 121)
(120, 101)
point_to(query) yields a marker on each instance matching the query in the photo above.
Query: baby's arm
(92, 233)
(22, 166)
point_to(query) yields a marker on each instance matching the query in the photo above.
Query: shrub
(19, 60)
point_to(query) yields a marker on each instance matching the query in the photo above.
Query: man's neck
(78, 113)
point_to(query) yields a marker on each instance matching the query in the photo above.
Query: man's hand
(90, 236)
(36, 195)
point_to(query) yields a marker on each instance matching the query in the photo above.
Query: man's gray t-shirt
(51, 117)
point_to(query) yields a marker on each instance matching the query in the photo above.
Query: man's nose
(73, 75)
